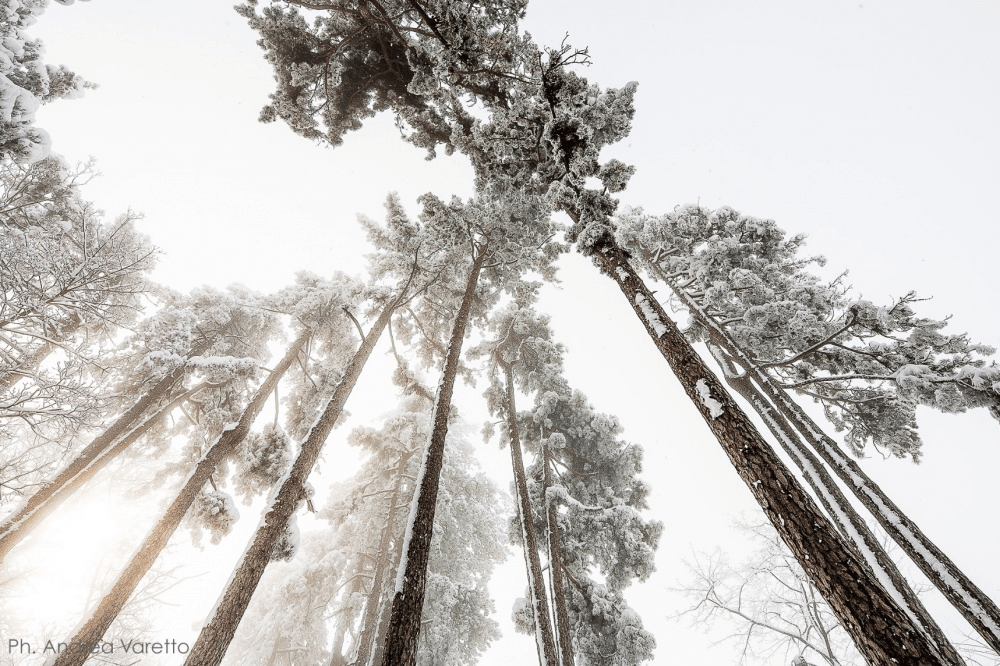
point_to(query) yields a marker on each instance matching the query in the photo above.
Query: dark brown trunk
(544, 641)
(974, 605)
(977, 608)
(407, 604)
(882, 631)
(556, 573)
(851, 526)
(383, 569)
(157, 539)
(214, 639)
(17, 526)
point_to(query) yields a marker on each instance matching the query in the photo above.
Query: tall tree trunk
(154, 543)
(383, 569)
(556, 569)
(544, 641)
(975, 606)
(408, 601)
(19, 524)
(839, 509)
(337, 651)
(346, 620)
(885, 635)
(215, 636)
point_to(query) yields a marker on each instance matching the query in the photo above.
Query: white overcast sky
(871, 126)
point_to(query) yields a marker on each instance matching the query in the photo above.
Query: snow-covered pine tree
(504, 352)
(586, 478)
(868, 366)
(26, 82)
(367, 517)
(502, 234)
(585, 495)
(410, 258)
(752, 299)
(225, 444)
(543, 134)
(193, 343)
(70, 281)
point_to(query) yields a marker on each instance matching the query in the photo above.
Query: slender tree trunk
(885, 635)
(385, 614)
(215, 636)
(94, 628)
(337, 651)
(345, 620)
(385, 608)
(842, 514)
(556, 567)
(383, 568)
(407, 604)
(89, 461)
(544, 641)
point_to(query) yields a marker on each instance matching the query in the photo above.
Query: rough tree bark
(975, 606)
(385, 612)
(19, 524)
(544, 640)
(407, 604)
(218, 632)
(885, 635)
(345, 621)
(225, 444)
(849, 523)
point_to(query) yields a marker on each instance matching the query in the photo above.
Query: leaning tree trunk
(411, 579)
(383, 569)
(883, 632)
(218, 632)
(225, 444)
(843, 515)
(556, 567)
(89, 461)
(544, 641)
(975, 606)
